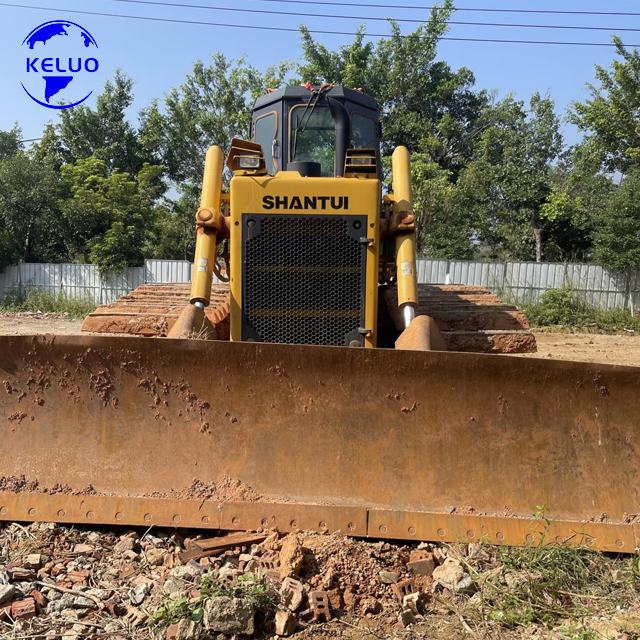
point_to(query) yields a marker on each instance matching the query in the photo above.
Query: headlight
(362, 160)
(248, 162)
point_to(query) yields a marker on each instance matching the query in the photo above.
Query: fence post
(627, 289)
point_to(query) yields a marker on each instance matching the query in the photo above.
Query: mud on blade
(442, 446)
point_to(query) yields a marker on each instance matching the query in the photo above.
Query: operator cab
(309, 129)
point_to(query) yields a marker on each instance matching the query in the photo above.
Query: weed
(567, 307)
(251, 588)
(34, 299)
(548, 584)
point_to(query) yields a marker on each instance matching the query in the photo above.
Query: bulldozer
(322, 388)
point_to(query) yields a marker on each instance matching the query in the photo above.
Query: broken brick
(23, 609)
(23, 575)
(32, 561)
(403, 588)
(335, 599)
(422, 567)
(413, 602)
(40, 600)
(292, 593)
(83, 549)
(270, 561)
(319, 606)
(78, 577)
(285, 623)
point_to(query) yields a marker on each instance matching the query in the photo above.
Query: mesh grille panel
(304, 278)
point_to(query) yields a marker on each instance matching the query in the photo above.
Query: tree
(509, 181)
(444, 226)
(10, 142)
(29, 225)
(212, 106)
(110, 217)
(424, 105)
(103, 132)
(617, 232)
(611, 117)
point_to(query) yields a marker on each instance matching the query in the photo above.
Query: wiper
(302, 125)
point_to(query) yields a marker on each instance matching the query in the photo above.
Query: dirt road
(585, 347)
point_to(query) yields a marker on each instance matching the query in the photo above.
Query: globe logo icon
(60, 64)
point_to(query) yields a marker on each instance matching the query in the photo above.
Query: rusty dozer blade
(390, 444)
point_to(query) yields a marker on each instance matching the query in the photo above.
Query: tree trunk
(538, 235)
(27, 244)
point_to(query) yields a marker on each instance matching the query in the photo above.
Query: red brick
(403, 588)
(285, 623)
(319, 606)
(78, 577)
(40, 600)
(23, 609)
(23, 575)
(421, 563)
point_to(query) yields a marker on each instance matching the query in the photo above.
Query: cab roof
(302, 94)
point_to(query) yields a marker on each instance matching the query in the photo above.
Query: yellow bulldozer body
(334, 205)
(301, 420)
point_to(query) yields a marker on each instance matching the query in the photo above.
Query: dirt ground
(589, 347)
(585, 347)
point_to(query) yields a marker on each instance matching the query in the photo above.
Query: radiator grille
(304, 278)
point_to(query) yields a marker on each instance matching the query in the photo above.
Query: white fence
(516, 281)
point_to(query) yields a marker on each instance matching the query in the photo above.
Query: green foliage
(109, 217)
(253, 589)
(424, 105)
(444, 224)
(610, 117)
(617, 233)
(212, 106)
(508, 185)
(29, 222)
(566, 307)
(10, 142)
(103, 132)
(33, 299)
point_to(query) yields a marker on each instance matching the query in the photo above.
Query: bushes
(567, 307)
(34, 300)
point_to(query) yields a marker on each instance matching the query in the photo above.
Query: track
(472, 319)
(152, 309)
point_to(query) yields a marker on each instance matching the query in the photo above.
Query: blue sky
(159, 55)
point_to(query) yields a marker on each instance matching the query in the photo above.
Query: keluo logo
(60, 62)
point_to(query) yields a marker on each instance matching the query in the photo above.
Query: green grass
(554, 586)
(566, 307)
(34, 300)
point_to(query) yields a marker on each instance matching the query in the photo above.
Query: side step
(471, 319)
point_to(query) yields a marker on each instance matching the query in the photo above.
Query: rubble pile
(62, 582)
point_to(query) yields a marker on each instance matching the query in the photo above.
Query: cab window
(264, 133)
(313, 137)
(363, 131)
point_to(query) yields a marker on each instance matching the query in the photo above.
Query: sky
(158, 55)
